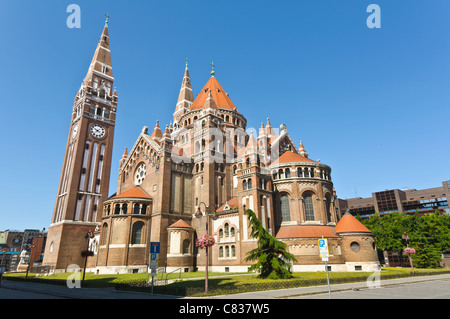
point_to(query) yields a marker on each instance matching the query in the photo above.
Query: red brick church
(196, 174)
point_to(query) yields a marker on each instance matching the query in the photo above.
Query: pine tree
(273, 261)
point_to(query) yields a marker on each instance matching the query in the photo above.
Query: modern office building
(400, 200)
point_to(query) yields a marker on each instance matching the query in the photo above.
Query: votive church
(197, 174)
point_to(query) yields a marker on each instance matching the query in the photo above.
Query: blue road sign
(155, 247)
(322, 243)
(153, 257)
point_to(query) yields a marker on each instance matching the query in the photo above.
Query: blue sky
(371, 103)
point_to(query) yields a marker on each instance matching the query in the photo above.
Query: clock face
(75, 131)
(98, 131)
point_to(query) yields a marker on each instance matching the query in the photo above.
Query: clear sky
(373, 104)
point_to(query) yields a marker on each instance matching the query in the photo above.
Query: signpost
(155, 248)
(323, 249)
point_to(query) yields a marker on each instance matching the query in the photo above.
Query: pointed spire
(262, 131)
(269, 129)
(101, 61)
(167, 132)
(186, 96)
(301, 150)
(210, 103)
(124, 157)
(157, 131)
(251, 141)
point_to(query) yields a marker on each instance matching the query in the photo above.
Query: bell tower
(84, 181)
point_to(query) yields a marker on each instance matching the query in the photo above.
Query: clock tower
(84, 181)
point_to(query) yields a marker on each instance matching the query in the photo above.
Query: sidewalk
(77, 293)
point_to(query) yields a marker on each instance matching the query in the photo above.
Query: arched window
(232, 232)
(227, 230)
(136, 237)
(144, 209)
(117, 209)
(309, 208)
(221, 233)
(186, 244)
(233, 251)
(124, 208)
(104, 234)
(244, 184)
(249, 183)
(136, 209)
(287, 173)
(227, 251)
(328, 206)
(221, 252)
(284, 207)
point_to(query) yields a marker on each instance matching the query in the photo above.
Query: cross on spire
(212, 71)
(187, 63)
(107, 18)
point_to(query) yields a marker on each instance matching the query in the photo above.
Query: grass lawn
(192, 283)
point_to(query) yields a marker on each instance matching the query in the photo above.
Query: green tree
(273, 261)
(429, 234)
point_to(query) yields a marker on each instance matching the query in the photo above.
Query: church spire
(301, 150)
(101, 61)
(186, 96)
(157, 134)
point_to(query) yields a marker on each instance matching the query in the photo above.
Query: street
(436, 289)
(420, 287)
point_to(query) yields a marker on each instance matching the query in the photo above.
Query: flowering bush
(409, 251)
(205, 241)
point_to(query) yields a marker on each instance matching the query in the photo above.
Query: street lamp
(408, 250)
(205, 241)
(87, 252)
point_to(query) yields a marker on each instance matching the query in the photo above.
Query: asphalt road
(436, 289)
(420, 287)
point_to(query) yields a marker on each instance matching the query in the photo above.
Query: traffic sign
(155, 247)
(323, 248)
(153, 264)
(154, 257)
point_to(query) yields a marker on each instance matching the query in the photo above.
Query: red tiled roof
(221, 98)
(303, 231)
(135, 192)
(349, 224)
(289, 156)
(232, 203)
(180, 224)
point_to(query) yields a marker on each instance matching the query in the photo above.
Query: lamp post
(86, 253)
(199, 214)
(408, 250)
